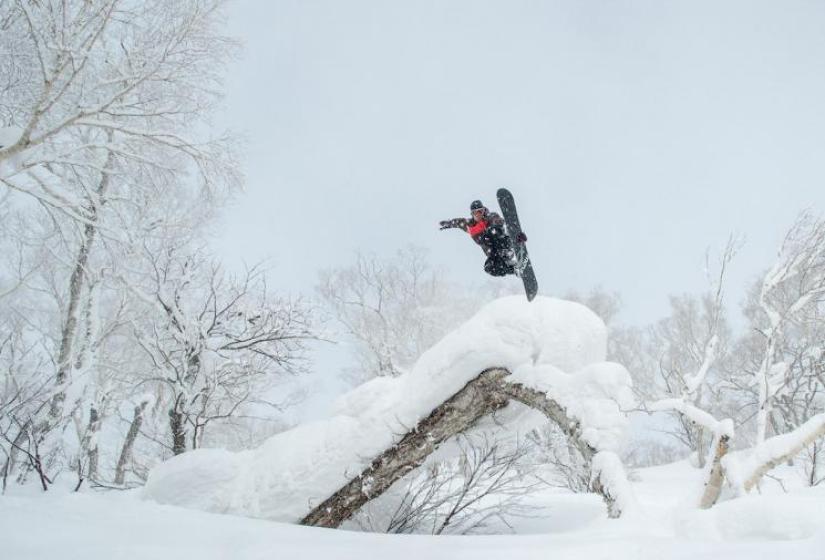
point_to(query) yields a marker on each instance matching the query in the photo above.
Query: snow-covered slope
(553, 345)
(90, 526)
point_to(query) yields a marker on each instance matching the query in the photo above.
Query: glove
(521, 237)
(445, 224)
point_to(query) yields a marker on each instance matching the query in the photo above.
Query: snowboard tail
(524, 268)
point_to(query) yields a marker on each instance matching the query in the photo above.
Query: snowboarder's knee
(497, 267)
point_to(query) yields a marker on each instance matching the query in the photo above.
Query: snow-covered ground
(553, 346)
(115, 525)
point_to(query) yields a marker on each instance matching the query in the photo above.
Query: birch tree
(215, 342)
(690, 342)
(102, 109)
(123, 77)
(789, 293)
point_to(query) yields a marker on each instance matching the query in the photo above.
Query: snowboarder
(487, 229)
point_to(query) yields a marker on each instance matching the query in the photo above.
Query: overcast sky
(634, 135)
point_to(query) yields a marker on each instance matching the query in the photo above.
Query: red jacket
(476, 228)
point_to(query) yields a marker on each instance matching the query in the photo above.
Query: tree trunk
(452, 417)
(177, 425)
(4, 474)
(89, 444)
(716, 476)
(76, 285)
(129, 443)
(68, 333)
(809, 432)
(701, 459)
(539, 401)
(812, 480)
(765, 396)
(481, 396)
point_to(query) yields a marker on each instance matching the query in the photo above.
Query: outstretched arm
(460, 223)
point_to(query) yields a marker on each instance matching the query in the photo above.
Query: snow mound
(597, 395)
(295, 470)
(792, 516)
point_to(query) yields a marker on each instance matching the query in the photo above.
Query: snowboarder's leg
(496, 265)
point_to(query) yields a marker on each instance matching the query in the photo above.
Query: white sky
(634, 134)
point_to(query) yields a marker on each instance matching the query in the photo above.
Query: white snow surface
(540, 341)
(668, 526)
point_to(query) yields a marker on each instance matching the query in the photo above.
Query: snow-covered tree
(102, 120)
(392, 309)
(781, 355)
(215, 342)
(85, 81)
(689, 346)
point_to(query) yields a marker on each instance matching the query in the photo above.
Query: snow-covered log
(746, 468)
(479, 397)
(607, 474)
(547, 354)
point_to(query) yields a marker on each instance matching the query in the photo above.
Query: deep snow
(552, 345)
(541, 344)
(113, 525)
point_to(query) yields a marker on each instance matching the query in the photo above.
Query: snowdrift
(550, 345)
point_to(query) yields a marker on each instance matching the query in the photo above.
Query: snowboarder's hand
(521, 237)
(445, 224)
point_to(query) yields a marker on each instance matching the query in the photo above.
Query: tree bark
(716, 476)
(129, 443)
(701, 460)
(539, 401)
(77, 282)
(483, 395)
(67, 338)
(452, 417)
(177, 425)
(89, 444)
(815, 430)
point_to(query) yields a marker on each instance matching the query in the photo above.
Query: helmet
(477, 205)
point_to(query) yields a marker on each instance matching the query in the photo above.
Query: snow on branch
(695, 414)
(693, 382)
(745, 468)
(131, 77)
(794, 282)
(722, 430)
(608, 477)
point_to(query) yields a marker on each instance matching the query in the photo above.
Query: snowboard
(524, 268)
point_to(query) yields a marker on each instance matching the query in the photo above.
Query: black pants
(499, 249)
(498, 266)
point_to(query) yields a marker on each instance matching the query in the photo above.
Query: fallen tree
(482, 396)
(742, 470)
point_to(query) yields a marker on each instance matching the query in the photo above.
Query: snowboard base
(524, 268)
